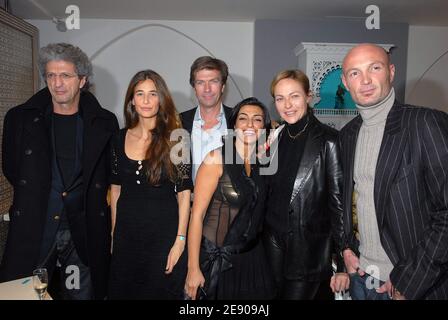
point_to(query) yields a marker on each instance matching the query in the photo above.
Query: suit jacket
(27, 166)
(411, 197)
(315, 208)
(187, 117)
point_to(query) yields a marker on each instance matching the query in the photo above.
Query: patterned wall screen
(18, 82)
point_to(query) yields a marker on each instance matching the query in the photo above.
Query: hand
(176, 251)
(195, 279)
(352, 262)
(397, 295)
(339, 282)
(262, 149)
(387, 287)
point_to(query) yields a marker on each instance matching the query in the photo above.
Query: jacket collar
(392, 140)
(392, 122)
(95, 136)
(89, 107)
(312, 148)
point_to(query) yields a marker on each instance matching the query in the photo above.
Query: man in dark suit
(207, 122)
(395, 163)
(55, 154)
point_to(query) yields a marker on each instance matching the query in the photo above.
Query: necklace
(298, 134)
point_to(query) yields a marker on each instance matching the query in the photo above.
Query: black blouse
(130, 173)
(291, 146)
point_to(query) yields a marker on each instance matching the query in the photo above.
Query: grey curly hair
(66, 52)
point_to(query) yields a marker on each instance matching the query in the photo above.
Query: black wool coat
(27, 166)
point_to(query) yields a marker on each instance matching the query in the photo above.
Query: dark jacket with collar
(411, 197)
(27, 166)
(315, 209)
(187, 117)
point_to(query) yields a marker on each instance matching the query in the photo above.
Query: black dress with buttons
(145, 230)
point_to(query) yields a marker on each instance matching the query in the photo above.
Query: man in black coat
(395, 164)
(207, 122)
(55, 154)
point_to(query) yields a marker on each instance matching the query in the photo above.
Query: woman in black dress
(149, 224)
(226, 258)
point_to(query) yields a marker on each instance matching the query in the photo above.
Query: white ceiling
(413, 12)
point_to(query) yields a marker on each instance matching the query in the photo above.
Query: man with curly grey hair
(55, 155)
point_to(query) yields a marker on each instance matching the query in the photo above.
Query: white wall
(168, 47)
(425, 46)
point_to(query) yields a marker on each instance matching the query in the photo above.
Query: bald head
(365, 49)
(367, 74)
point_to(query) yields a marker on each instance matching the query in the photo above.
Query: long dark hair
(158, 153)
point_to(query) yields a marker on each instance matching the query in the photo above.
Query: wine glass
(40, 282)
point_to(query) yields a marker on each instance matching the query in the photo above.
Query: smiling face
(63, 83)
(368, 74)
(146, 99)
(208, 87)
(249, 121)
(291, 100)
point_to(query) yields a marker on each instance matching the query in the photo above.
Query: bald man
(395, 160)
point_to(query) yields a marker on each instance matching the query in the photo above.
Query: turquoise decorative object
(333, 94)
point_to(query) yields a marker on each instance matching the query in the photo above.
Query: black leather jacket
(315, 209)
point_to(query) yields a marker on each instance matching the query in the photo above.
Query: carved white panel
(317, 60)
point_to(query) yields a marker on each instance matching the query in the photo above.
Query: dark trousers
(74, 276)
(291, 289)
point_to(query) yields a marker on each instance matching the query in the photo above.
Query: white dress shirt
(204, 141)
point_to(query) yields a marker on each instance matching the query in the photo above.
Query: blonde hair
(294, 74)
